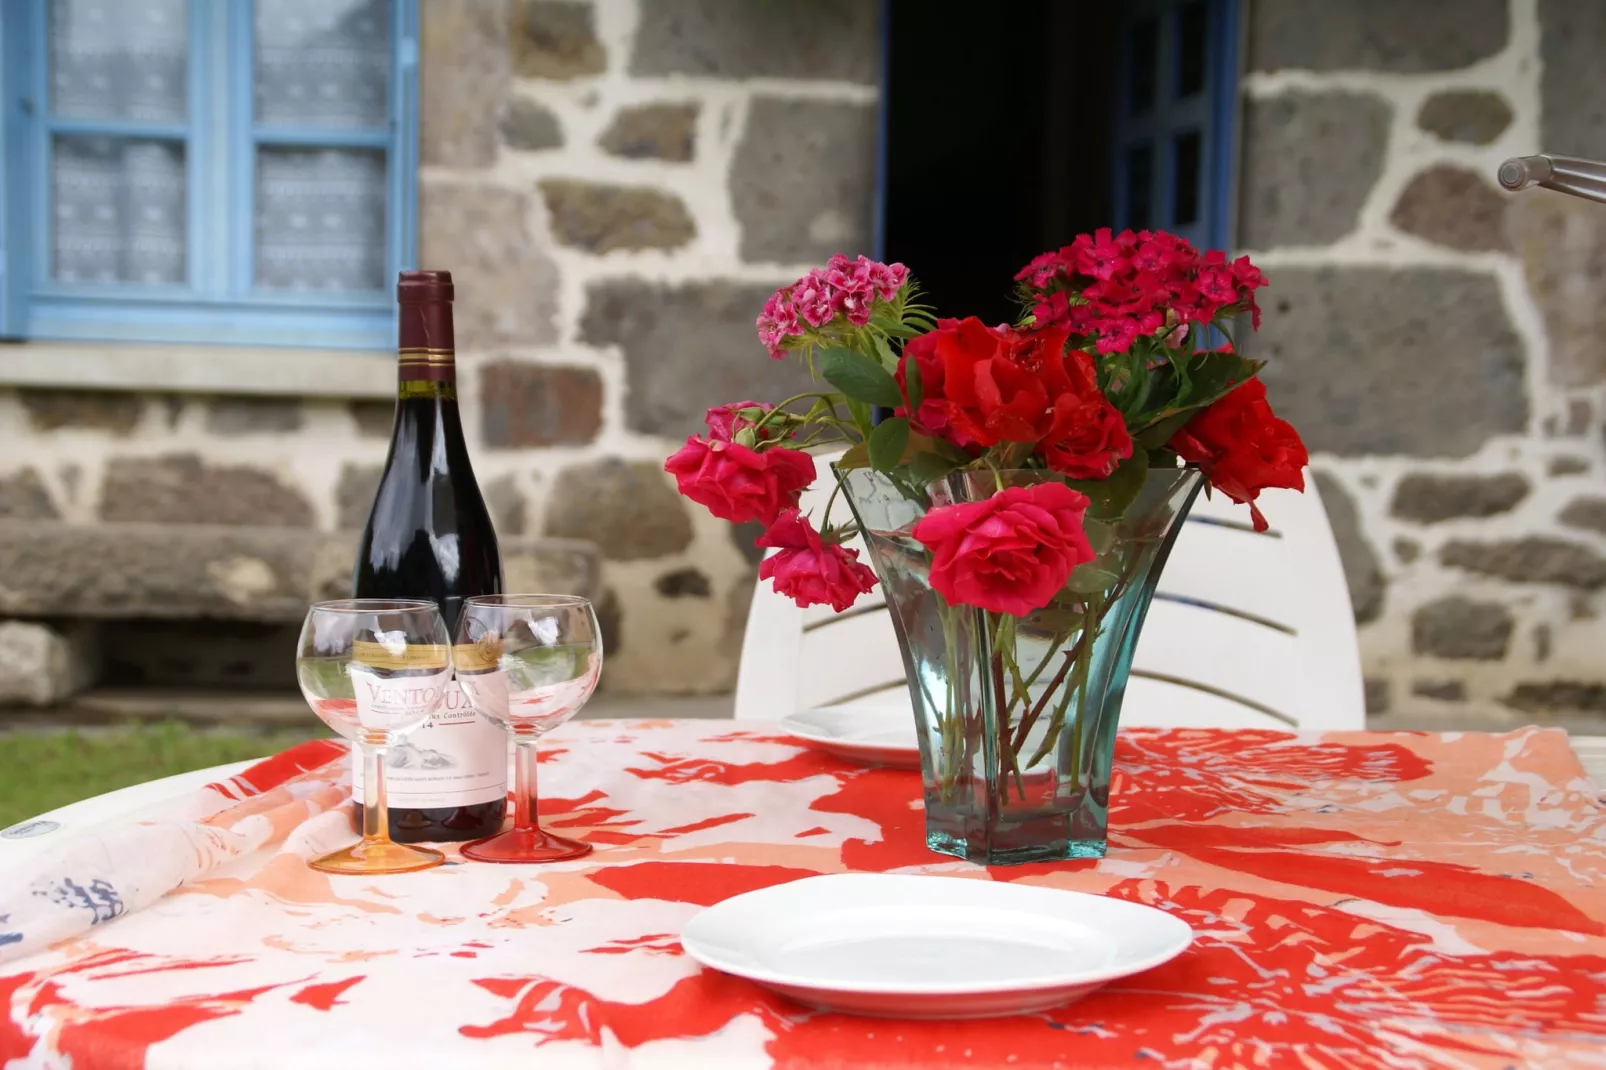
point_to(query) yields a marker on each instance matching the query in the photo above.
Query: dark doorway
(998, 128)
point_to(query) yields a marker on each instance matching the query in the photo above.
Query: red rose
(738, 484)
(1011, 553)
(1243, 448)
(725, 420)
(982, 386)
(1090, 436)
(808, 571)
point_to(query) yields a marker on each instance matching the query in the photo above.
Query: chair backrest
(1247, 630)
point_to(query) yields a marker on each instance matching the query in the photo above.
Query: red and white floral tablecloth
(1388, 900)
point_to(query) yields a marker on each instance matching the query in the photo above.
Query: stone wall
(1437, 340)
(616, 186)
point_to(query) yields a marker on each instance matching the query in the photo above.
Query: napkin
(115, 869)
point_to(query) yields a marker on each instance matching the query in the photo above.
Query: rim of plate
(795, 725)
(755, 972)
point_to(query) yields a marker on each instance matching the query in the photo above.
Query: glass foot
(525, 845)
(364, 858)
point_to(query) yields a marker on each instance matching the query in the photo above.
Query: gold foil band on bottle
(435, 364)
(399, 656)
(482, 656)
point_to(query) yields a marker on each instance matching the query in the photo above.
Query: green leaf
(860, 411)
(859, 377)
(1090, 579)
(928, 467)
(891, 326)
(856, 456)
(887, 443)
(914, 385)
(1099, 535)
(1159, 433)
(1111, 496)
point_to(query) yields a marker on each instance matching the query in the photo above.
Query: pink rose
(1011, 553)
(738, 484)
(808, 571)
(725, 420)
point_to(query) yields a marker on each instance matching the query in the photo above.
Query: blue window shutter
(1176, 118)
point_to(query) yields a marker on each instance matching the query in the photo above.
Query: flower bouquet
(1017, 488)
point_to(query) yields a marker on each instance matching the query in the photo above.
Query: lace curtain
(120, 203)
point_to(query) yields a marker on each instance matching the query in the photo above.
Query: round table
(1357, 898)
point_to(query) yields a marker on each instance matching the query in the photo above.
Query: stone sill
(192, 369)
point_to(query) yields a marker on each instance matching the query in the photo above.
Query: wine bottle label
(399, 655)
(457, 758)
(395, 703)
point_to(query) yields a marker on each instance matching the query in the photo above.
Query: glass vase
(1016, 717)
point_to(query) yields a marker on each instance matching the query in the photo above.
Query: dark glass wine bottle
(429, 536)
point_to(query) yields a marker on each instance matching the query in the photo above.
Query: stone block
(803, 180)
(507, 286)
(1562, 243)
(653, 132)
(556, 39)
(1460, 628)
(687, 348)
(530, 126)
(1440, 690)
(1587, 513)
(745, 536)
(1470, 116)
(1361, 571)
(1375, 35)
(374, 419)
(1545, 698)
(89, 410)
(200, 571)
(464, 75)
(505, 502)
(599, 217)
(179, 488)
(354, 494)
(1454, 207)
(527, 405)
(683, 583)
(1310, 159)
(253, 416)
(629, 509)
(1567, 466)
(814, 39)
(1572, 80)
(1426, 498)
(1531, 559)
(23, 497)
(1377, 696)
(41, 665)
(1350, 359)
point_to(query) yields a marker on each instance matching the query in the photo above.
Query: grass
(40, 771)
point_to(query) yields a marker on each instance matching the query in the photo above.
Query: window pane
(1185, 194)
(118, 208)
(320, 219)
(1139, 181)
(323, 62)
(1193, 31)
(1144, 69)
(116, 59)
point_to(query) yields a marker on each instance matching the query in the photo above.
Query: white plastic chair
(1246, 630)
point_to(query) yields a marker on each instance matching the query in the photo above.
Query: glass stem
(375, 811)
(524, 794)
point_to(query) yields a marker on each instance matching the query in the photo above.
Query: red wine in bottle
(429, 536)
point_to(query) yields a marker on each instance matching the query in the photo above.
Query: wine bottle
(429, 536)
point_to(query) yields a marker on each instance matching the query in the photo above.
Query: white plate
(873, 735)
(906, 946)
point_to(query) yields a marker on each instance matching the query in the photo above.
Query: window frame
(216, 305)
(1213, 112)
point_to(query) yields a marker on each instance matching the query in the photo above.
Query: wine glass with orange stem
(528, 662)
(374, 669)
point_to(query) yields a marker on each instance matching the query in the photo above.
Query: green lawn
(40, 771)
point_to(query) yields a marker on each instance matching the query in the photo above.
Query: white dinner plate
(903, 946)
(868, 734)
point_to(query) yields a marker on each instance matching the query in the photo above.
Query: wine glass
(527, 662)
(374, 669)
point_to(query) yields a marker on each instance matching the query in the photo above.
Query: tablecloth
(1360, 900)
